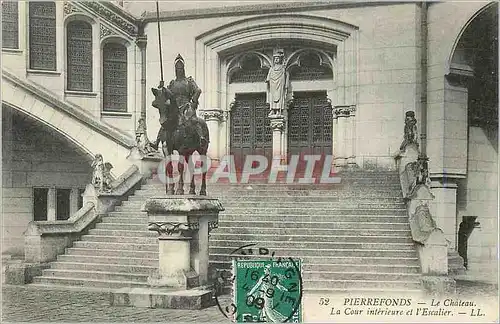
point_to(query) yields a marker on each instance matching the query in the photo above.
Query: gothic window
(251, 71)
(79, 56)
(10, 25)
(310, 68)
(42, 35)
(114, 67)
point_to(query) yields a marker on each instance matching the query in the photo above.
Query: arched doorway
(474, 67)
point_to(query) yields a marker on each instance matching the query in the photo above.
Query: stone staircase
(350, 236)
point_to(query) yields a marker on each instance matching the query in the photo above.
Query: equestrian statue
(181, 130)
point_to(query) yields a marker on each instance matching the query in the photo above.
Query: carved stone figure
(410, 130)
(141, 138)
(277, 83)
(186, 93)
(101, 176)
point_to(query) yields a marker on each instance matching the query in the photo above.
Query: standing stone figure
(101, 176)
(186, 93)
(410, 130)
(141, 138)
(277, 83)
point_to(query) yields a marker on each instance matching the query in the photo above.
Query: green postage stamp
(267, 290)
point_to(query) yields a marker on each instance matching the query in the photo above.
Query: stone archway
(213, 46)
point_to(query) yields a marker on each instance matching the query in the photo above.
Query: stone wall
(32, 157)
(480, 197)
(387, 63)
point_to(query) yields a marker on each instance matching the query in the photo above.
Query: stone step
(399, 267)
(305, 238)
(316, 218)
(352, 275)
(321, 251)
(345, 224)
(259, 192)
(236, 228)
(106, 232)
(57, 281)
(134, 213)
(120, 239)
(295, 199)
(120, 226)
(128, 209)
(300, 243)
(104, 267)
(98, 275)
(364, 284)
(406, 292)
(115, 260)
(124, 220)
(224, 261)
(116, 246)
(344, 204)
(347, 188)
(125, 253)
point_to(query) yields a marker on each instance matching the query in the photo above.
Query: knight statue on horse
(181, 130)
(186, 93)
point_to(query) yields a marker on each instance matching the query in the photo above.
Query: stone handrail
(432, 246)
(44, 240)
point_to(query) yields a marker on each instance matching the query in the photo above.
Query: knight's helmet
(280, 53)
(179, 66)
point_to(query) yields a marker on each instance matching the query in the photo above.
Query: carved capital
(141, 42)
(212, 115)
(278, 123)
(341, 111)
(173, 228)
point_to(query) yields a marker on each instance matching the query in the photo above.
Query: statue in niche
(410, 131)
(277, 83)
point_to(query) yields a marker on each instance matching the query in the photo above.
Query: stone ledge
(439, 285)
(161, 298)
(23, 273)
(155, 205)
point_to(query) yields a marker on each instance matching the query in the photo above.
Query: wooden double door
(309, 127)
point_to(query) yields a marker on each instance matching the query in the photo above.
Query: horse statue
(179, 133)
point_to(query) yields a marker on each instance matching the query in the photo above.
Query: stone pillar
(351, 158)
(340, 157)
(334, 135)
(73, 201)
(183, 225)
(213, 118)
(51, 204)
(278, 127)
(141, 43)
(444, 208)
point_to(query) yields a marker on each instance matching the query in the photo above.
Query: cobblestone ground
(35, 304)
(29, 304)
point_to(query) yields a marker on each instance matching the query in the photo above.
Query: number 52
(324, 301)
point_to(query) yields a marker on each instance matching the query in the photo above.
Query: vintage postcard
(250, 161)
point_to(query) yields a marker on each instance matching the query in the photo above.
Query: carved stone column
(141, 43)
(340, 154)
(213, 118)
(351, 158)
(278, 127)
(183, 225)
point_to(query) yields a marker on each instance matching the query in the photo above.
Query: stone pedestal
(183, 225)
(278, 127)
